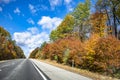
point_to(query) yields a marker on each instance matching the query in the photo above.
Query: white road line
(39, 71)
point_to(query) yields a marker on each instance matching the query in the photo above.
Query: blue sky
(31, 21)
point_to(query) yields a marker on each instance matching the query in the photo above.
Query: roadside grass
(94, 76)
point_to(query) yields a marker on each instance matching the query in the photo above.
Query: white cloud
(54, 3)
(35, 8)
(30, 20)
(17, 11)
(29, 41)
(6, 1)
(32, 37)
(67, 1)
(69, 5)
(49, 23)
(34, 30)
(69, 8)
(0, 9)
(32, 8)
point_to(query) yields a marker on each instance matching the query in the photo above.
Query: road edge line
(39, 71)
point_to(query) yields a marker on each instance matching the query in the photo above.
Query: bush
(64, 51)
(102, 55)
(108, 54)
(97, 54)
(89, 53)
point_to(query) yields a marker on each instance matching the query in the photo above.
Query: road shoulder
(56, 73)
(94, 76)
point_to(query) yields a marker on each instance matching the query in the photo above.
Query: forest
(8, 47)
(89, 39)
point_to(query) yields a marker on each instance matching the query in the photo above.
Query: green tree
(5, 33)
(42, 45)
(65, 28)
(19, 52)
(54, 35)
(81, 14)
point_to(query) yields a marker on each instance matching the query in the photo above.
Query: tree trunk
(114, 22)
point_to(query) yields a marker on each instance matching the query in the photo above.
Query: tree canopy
(8, 47)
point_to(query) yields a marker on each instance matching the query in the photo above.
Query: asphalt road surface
(25, 69)
(19, 69)
(55, 73)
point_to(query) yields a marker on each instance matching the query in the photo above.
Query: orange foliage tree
(102, 55)
(98, 23)
(64, 51)
(8, 48)
(108, 54)
(89, 51)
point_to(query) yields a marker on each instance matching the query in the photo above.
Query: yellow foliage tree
(89, 51)
(98, 23)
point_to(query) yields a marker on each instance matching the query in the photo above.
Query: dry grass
(2, 61)
(94, 76)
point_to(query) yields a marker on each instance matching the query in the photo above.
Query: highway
(25, 69)
(19, 69)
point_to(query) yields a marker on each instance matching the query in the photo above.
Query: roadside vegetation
(83, 72)
(87, 40)
(8, 47)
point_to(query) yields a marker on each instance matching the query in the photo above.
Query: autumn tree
(69, 43)
(111, 9)
(65, 28)
(37, 53)
(54, 35)
(89, 52)
(107, 55)
(64, 50)
(81, 15)
(102, 55)
(8, 48)
(5, 33)
(98, 23)
(33, 53)
(19, 52)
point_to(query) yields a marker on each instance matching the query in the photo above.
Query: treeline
(87, 41)
(8, 47)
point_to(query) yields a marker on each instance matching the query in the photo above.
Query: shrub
(64, 51)
(108, 54)
(89, 52)
(102, 55)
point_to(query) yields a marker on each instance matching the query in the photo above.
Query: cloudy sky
(31, 21)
